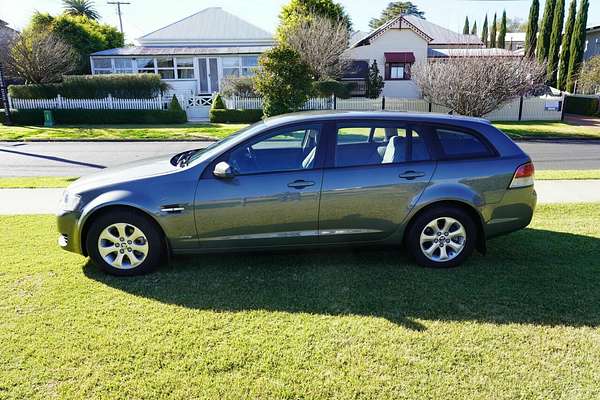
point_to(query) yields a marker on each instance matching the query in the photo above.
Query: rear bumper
(514, 212)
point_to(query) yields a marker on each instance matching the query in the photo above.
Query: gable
(211, 26)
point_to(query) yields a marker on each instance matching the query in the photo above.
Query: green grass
(36, 182)
(120, 132)
(544, 130)
(522, 322)
(567, 174)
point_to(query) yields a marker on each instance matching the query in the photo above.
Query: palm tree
(81, 7)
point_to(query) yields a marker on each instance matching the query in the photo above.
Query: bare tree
(476, 86)
(40, 57)
(321, 43)
(589, 78)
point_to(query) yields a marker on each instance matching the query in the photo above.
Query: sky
(144, 16)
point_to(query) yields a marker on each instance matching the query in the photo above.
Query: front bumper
(512, 213)
(69, 238)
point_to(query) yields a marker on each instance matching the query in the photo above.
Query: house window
(185, 68)
(123, 65)
(146, 66)
(397, 71)
(249, 65)
(231, 66)
(165, 67)
(102, 66)
(239, 66)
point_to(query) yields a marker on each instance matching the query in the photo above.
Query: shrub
(241, 86)
(99, 117)
(126, 86)
(581, 105)
(328, 88)
(218, 103)
(174, 105)
(235, 116)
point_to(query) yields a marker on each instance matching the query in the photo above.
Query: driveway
(81, 158)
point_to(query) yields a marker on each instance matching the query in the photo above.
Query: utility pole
(118, 3)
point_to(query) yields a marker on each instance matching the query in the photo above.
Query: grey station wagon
(439, 185)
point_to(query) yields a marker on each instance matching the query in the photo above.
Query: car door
(272, 198)
(374, 175)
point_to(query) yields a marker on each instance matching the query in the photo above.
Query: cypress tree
(555, 39)
(543, 43)
(474, 30)
(502, 33)
(466, 27)
(565, 46)
(577, 45)
(484, 32)
(494, 32)
(532, 28)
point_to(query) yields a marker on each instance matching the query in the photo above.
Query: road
(81, 158)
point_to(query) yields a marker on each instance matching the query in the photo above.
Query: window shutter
(407, 71)
(387, 71)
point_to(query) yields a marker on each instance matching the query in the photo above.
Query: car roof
(336, 115)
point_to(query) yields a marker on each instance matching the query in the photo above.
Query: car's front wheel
(124, 243)
(442, 237)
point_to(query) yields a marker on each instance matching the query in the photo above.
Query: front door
(376, 176)
(208, 75)
(273, 198)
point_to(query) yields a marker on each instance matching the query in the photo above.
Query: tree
(484, 32)
(283, 81)
(298, 11)
(502, 33)
(466, 28)
(40, 57)
(589, 79)
(476, 86)
(83, 8)
(565, 46)
(543, 42)
(394, 9)
(516, 25)
(86, 36)
(494, 32)
(321, 43)
(555, 41)
(577, 45)
(474, 30)
(532, 28)
(375, 82)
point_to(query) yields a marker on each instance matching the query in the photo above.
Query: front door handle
(300, 184)
(411, 174)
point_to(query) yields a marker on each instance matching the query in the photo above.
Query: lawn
(566, 174)
(522, 322)
(542, 130)
(120, 132)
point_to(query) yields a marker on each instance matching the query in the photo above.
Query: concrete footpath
(45, 201)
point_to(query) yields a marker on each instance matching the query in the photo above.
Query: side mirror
(223, 171)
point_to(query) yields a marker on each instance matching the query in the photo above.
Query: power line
(118, 3)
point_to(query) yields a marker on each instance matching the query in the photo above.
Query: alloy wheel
(123, 246)
(443, 239)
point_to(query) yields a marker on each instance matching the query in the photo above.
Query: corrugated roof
(180, 50)
(211, 25)
(439, 34)
(470, 52)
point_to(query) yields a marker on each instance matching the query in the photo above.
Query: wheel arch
(470, 209)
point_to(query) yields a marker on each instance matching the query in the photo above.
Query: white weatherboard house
(192, 55)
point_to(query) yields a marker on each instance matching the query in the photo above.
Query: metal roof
(470, 52)
(180, 51)
(210, 26)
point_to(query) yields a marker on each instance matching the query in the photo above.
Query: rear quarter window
(458, 144)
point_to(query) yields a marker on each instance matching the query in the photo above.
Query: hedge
(235, 116)
(326, 88)
(581, 105)
(123, 86)
(98, 117)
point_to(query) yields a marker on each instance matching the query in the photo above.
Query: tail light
(523, 176)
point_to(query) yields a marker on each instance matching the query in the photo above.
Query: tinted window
(284, 150)
(461, 144)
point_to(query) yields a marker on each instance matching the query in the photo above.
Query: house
(192, 55)
(515, 41)
(592, 42)
(7, 34)
(403, 41)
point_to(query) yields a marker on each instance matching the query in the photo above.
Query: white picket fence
(533, 108)
(108, 103)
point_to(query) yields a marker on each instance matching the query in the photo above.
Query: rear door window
(458, 144)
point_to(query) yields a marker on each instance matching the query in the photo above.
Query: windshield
(214, 147)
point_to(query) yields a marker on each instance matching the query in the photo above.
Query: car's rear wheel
(124, 243)
(442, 237)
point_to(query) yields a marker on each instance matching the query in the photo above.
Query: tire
(423, 237)
(125, 243)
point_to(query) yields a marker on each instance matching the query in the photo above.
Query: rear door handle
(411, 174)
(300, 184)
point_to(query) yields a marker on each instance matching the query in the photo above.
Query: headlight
(69, 201)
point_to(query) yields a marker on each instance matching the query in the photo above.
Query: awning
(406, 57)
